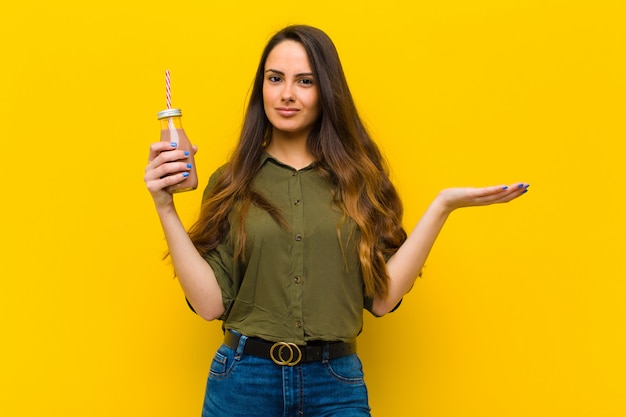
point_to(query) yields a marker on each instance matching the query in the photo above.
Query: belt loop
(241, 346)
(325, 352)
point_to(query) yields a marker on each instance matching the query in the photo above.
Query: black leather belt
(290, 354)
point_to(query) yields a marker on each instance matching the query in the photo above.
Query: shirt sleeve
(368, 302)
(222, 263)
(221, 260)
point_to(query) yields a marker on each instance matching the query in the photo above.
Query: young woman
(298, 233)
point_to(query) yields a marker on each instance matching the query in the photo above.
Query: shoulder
(217, 173)
(213, 180)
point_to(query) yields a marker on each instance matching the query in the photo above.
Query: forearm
(195, 275)
(405, 265)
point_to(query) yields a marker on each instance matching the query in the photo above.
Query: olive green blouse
(294, 285)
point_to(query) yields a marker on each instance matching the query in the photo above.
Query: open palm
(455, 198)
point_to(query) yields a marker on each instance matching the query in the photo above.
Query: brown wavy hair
(346, 156)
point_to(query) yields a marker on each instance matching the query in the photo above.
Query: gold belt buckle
(294, 357)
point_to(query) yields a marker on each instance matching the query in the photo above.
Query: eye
(306, 81)
(273, 78)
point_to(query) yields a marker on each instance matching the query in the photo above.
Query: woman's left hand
(454, 198)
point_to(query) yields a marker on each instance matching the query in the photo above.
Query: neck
(290, 151)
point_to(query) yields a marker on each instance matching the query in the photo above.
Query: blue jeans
(241, 385)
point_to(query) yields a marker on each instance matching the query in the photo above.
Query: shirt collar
(266, 156)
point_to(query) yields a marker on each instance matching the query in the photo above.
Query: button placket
(297, 261)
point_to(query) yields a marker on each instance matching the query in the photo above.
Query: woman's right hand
(165, 168)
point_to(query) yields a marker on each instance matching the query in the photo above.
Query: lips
(287, 111)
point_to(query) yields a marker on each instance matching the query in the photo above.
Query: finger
(519, 186)
(157, 147)
(165, 169)
(493, 190)
(166, 156)
(522, 188)
(174, 179)
(505, 189)
(485, 195)
(512, 192)
(159, 184)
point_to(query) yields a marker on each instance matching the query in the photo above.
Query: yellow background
(521, 311)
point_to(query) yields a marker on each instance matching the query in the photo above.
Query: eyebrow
(302, 74)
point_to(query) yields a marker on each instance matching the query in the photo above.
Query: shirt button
(299, 324)
(297, 279)
(298, 237)
(294, 173)
(297, 202)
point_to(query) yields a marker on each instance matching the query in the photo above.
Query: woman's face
(290, 92)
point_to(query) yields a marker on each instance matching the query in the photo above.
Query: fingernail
(520, 185)
(186, 153)
(188, 165)
(525, 191)
(185, 174)
(173, 144)
(505, 187)
(527, 186)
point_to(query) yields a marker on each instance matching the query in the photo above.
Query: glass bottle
(172, 131)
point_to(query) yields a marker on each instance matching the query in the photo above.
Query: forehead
(288, 56)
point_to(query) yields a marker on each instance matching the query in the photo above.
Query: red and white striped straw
(168, 91)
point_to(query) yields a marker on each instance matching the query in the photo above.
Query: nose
(288, 95)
